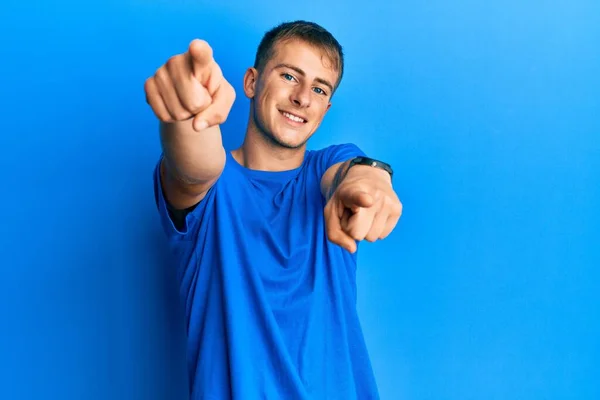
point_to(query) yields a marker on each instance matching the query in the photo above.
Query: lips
(293, 117)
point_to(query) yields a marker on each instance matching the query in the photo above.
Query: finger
(218, 111)
(345, 218)
(395, 212)
(377, 227)
(389, 226)
(360, 223)
(357, 198)
(192, 95)
(201, 55)
(154, 99)
(169, 96)
(334, 229)
(215, 78)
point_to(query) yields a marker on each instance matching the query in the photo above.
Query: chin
(288, 143)
(290, 140)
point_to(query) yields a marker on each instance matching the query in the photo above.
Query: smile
(293, 117)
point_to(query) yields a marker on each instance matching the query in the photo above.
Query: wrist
(368, 172)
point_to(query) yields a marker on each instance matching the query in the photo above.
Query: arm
(337, 172)
(332, 178)
(192, 162)
(191, 98)
(361, 204)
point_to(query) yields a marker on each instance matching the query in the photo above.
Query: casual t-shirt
(270, 302)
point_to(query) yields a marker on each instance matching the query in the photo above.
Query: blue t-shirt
(270, 302)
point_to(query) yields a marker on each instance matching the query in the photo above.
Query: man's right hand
(191, 85)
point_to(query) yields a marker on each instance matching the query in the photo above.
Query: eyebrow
(301, 72)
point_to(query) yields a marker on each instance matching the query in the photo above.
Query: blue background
(488, 110)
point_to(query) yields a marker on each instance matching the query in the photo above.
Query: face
(292, 94)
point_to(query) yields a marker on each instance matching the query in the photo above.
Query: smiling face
(291, 95)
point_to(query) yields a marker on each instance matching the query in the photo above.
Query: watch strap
(373, 163)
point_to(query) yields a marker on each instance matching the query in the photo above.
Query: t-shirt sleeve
(175, 226)
(338, 153)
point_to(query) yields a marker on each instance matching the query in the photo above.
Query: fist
(190, 86)
(364, 207)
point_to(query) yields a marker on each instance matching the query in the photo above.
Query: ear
(328, 107)
(250, 81)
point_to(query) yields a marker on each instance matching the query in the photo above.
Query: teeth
(293, 117)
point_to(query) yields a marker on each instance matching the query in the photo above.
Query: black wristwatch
(373, 163)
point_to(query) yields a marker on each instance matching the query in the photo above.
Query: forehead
(311, 59)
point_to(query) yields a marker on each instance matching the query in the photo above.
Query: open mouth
(292, 117)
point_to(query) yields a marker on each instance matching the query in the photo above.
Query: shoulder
(326, 157)
(338, 148)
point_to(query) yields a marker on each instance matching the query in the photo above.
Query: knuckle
(172, 63)
(202, 99)
(398, 209)
(371, 238)
(149, 89)
(393, 205)
(231, 92)
(219, 116)
(161, 74)
(194, 104)
(387, 200)
(216, 115)
(161, 113)
(148, 84)
(164, 117)
(182, 115)
(354, 234)
(332, 236)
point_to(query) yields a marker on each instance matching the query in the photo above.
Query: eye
(318, 90)
(288, 77)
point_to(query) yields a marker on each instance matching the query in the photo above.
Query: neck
(259, 152)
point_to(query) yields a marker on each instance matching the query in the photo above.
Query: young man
(264, 237)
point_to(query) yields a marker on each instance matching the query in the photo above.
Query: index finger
(201, 55)
(356, 198)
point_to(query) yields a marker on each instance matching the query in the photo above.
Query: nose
(301, 96)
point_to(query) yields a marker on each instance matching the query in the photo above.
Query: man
(265, 237)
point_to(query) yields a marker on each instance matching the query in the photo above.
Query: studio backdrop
(488, 111)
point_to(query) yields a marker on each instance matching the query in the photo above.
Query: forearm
(333, 178)
(366, 171)
(190, 156)
(357, 172)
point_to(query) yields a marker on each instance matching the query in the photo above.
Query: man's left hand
(364, 206)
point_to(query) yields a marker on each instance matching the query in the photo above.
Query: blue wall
(489, 111)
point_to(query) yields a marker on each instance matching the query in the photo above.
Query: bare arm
(191, 99)
(192, 162)
(332, 178)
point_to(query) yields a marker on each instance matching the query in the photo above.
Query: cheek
(267, 96)
(320, 115)
(262, 103)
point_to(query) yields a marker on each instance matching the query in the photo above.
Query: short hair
(309, 32)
